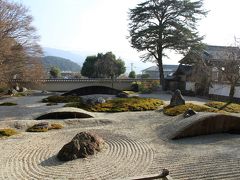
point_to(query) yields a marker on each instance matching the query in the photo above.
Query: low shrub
(148, 86)
(226, 106)
(174, 111)
(121, 105)
(61, 99)
(21, 94)
(7, 132)
(8, 104)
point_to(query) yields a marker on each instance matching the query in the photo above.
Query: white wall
(190, 86)
(223, 90)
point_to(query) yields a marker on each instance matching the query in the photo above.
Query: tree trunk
(160, 68)
(232, 91)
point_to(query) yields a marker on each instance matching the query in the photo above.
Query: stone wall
(70, 84)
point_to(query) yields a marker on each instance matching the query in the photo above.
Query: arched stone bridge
(71, 84)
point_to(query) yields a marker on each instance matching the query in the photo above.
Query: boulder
(81, 146)
(177, 99)
(41, 125)
(189, 113)
(100, 100)
(94, 100)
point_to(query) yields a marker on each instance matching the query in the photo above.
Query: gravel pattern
(135, 146)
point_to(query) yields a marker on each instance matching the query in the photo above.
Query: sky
(88, 27)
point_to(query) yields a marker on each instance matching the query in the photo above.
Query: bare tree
(201, 69)
(229, 69)
(227, 65)
(19, 48)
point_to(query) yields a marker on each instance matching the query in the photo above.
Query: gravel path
(134, 147)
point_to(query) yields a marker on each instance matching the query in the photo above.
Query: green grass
(229, 107)
(61, 99)
(7, 132)
(174, 111)
(8, 104)
(121, 105)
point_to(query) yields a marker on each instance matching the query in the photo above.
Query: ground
(135, 146)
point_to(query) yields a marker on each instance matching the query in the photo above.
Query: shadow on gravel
(51, 162)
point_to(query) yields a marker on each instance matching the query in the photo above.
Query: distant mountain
(62, 63)
(64, 54)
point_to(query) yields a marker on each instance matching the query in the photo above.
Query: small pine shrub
(8, 104)
(7, 132)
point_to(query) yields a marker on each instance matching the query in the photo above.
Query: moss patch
(36, 128)
(229, 107)
(174, 111)
(121, 105)
(61, 99)
(33, 129)
(8, 104)
(51, 104)
(7, 132)
(55, 126)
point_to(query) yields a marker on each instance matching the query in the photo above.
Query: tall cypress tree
(157, 25)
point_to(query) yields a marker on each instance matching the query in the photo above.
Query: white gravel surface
(134, 147)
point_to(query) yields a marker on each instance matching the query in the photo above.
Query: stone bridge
(63, 85)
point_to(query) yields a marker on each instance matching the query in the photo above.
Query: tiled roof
(213, 53)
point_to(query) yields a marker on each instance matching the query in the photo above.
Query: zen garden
(100, 124)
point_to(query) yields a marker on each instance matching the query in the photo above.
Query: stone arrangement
(177, 99)
(81, 146)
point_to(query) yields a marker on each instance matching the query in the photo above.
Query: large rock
(177, 99)
(94, 100)
(82, 145)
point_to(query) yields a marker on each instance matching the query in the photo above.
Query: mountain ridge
(62, 63)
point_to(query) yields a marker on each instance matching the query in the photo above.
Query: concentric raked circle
(122, 157)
